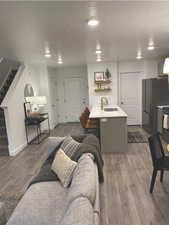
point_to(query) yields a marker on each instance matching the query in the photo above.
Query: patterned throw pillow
(63, 166)
(70, 146)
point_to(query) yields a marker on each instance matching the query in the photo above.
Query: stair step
(2, 121)
(7, 84)
(1, 99)
(2, 127)
(3, 140)
(4, 90)
(2, 113)
(11, 77)
(3, 147)
(3, 131)
(14, 71)
(4, 150)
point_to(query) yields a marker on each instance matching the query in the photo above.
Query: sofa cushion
(63, 166)
(84, 181)
(42, 204)
(80, 212)
(70, 146)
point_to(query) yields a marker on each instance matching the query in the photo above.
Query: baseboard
(17, 150)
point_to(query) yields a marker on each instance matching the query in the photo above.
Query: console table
(36, 122)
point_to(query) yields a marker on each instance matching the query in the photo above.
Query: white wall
(151, 68)
(94, 97)
(14, 111)
(131, 66)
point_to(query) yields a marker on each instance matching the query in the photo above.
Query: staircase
(7, 76)
(7, 83)
(3, 135)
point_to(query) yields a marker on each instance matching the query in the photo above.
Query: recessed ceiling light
(151, 47)
(98, 59)
(151, 44)
(47, 55)
(47, 52)
(92, 22)
(139, 57)
(139, 54)
(98, 51)
(60, 62)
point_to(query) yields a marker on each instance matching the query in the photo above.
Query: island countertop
(96, 112)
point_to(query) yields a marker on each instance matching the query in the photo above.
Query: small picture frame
(99, 76)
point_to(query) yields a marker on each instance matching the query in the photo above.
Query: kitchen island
(113, 128)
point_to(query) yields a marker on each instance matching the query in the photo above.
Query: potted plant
(107, 74)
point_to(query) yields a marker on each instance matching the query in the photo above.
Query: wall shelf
(103, 89)
(101, 86)
(103, 82)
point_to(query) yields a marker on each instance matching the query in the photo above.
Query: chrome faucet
(104, 101)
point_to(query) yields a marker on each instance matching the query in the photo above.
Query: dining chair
(160, 161)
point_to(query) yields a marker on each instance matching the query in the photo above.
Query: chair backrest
(156, 148)
(87, 111)
(83, 120)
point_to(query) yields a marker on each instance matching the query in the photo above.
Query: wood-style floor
(125, 197)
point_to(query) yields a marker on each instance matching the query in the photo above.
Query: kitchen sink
(110, 109)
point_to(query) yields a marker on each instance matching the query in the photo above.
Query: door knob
(122, 103)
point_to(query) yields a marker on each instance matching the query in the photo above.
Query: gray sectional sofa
(49, 203)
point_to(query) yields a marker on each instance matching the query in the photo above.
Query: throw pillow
(70, 146)
(63, 166)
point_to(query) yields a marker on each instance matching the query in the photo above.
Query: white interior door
(74, 99)
(54, 102)
(130, 96)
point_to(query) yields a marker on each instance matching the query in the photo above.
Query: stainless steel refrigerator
(155, 92)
